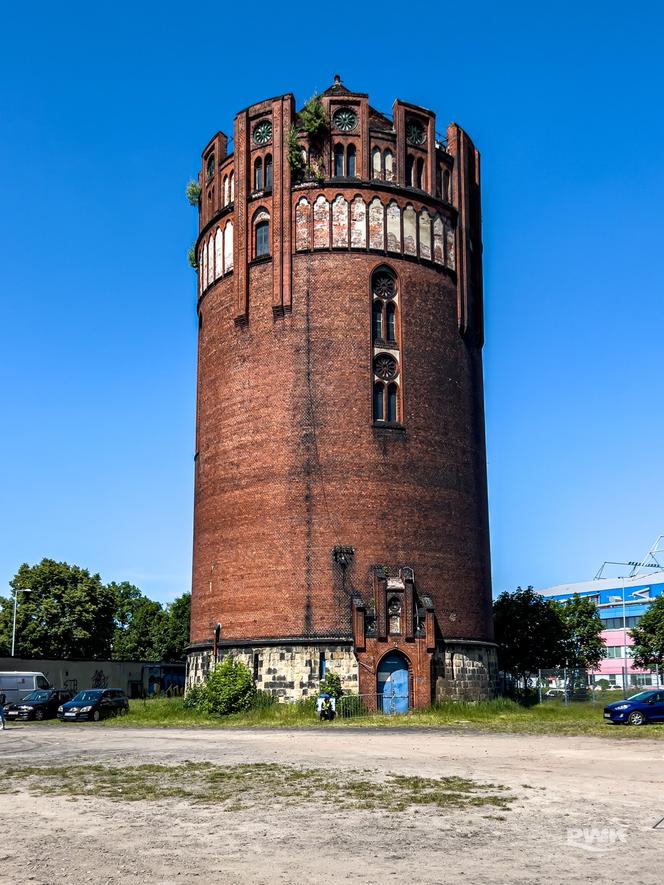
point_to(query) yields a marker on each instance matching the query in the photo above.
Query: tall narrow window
(410, 164)
(232, 183)
(389, 165)
(446, 186)
(385, 336)
(321, 665)
(262, 238)
(350, 161)
(210, 166)
(258, 175)
(226, 191)
(375, 163)
(378, 402)
(419, 174)
(338, 161)
(377, 328)
(391, 322)
(268, 172)
(392, 403)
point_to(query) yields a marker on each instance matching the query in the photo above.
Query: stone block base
(465, 671)
(288, 672)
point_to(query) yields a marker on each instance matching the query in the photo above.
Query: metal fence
(567, 685)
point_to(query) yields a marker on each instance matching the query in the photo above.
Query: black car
(39, 704)
(94, 704)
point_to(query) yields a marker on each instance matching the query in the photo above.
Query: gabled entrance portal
(393, 684)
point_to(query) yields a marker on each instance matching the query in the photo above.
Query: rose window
(415, 132)
(385, 367)
(345, 119)
(384, 286)
(263, 132)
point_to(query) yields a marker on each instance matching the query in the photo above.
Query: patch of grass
(499, 715)
(239, 787)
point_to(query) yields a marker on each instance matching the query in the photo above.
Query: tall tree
(140, 638)
(583, 627)
(648, 637)
(69, 613)
(530, 632)
(175, 635)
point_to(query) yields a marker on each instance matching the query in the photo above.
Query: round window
(345, 119)
(415, 132)
(383, 286)
(385, 367)
(263, 132)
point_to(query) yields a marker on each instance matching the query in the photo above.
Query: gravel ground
(585, 810)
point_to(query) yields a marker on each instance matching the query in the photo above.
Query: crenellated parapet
(391, 185)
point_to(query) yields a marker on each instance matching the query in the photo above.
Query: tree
(648, 637)
(175, 630)
(530, 632)
(69, 613)
(583, 628)
(140, 639)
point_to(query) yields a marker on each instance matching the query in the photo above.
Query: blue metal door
(393, 686)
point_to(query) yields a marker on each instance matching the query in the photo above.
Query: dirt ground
(585, 810)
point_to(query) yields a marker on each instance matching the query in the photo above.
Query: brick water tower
(340, 517)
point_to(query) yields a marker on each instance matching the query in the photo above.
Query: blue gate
(393, 685)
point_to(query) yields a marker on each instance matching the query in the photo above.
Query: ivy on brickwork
(191, 258)
(313, 118)
(295, 158)
(193, 192)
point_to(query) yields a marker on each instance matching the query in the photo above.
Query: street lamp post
(16, 592)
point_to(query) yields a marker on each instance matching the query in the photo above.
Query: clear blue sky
(104, 111)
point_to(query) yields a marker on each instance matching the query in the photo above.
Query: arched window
(378, 401)
(375, 163)
(338, 161)
(446, 186)
(262, 238)
(389, 165)
(226, 190)
(232, 184)
(209, 167)
(391, 311)
(258, 175)
(419, 174)
(392, 397)
(377, 323)
(410, 165)
(268, 172)
(350, 161)
(386, 375)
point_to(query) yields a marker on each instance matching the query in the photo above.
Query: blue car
(646, 706)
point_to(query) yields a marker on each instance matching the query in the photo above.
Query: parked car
(37, 705)
(646, 706)
(16, 684)
(94, 704)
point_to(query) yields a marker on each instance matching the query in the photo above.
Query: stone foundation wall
(289, 672)
(465, 672)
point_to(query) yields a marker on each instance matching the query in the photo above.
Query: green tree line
(70, 613)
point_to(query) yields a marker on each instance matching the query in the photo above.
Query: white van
(14, 685)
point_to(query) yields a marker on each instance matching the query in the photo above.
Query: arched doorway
(392, 684)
